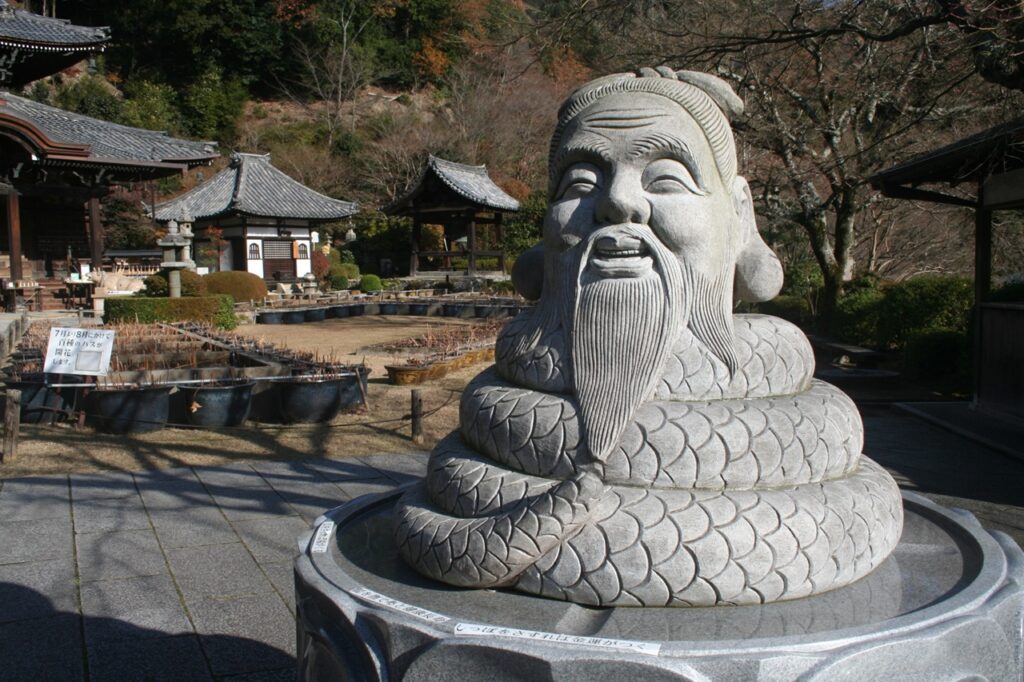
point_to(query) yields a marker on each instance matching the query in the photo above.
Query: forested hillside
(351, 95)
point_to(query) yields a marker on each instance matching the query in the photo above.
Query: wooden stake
(417, 417)
(12, 420)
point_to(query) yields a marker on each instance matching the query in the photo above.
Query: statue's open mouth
(620, 255)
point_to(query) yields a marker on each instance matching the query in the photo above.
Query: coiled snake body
(725, 488)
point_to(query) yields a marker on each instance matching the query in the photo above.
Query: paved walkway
(181, 574)
(187, 573)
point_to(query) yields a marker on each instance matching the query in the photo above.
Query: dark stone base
(947, 605)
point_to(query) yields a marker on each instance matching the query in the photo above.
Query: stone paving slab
(101, 486)
(132, 609)
(110, 514)
(271, 539)
(47, 648)
(27, 587)
(34, 498)
(247, 634)
(249, 503)
(166, 659)
(22, 541)
(192, 527)
(216, 572)
(119, 554)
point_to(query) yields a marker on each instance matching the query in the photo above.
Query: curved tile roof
(105, 141)
(471, 183)
(252, 186)
(20, 28)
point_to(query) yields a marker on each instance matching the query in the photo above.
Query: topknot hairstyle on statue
(708, 99)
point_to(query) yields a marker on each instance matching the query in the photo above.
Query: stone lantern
(176, 246)
(185, 229)
(309, 284)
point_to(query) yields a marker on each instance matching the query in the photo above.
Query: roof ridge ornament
(6, 11)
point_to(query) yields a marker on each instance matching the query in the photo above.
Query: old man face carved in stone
(647, 218)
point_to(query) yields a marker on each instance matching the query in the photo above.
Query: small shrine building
(265, 218)
(467, 205)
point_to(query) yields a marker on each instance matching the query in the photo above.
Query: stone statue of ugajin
(637, 444)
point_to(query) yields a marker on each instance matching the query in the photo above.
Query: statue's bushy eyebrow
(659, 141)
(590, 147)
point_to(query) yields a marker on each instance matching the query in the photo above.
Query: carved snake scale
(751, 490)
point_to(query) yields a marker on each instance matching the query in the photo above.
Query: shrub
(349, 271)
(370, 283)
(934, 353)
(192, 284)
(1008, 293)
(218, 310)
(795, 309)
(241, 286)
(857, 315)
(339, 282)
(931, 302)
(321, 265)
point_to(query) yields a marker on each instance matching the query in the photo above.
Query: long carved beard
(622, 331)
(711, 313)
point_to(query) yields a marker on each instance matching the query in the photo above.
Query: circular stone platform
(948, 604)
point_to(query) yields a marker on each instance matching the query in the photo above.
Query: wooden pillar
(14, 234)
(95, 234)
(982, 279)
(414, 258)
(982, 253)
(471, 244)
(499, 232)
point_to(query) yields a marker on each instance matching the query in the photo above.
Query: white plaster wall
(254, 266)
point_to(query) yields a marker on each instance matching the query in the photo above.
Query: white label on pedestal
(473, 630)
(323, 536)
(378, 598)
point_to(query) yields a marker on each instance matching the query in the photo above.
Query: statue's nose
(622, 203)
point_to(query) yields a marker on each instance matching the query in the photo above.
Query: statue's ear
(758, 270)
(528, 273)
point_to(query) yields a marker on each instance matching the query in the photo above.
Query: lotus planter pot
(129, 410)
(219, 404)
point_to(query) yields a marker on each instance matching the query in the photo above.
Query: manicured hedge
(218, 309)
(886, 316)
(241, 286)
(928, 302)
(795, 309)
(370, 283)
(933, 353)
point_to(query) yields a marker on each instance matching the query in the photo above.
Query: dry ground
(383, 427)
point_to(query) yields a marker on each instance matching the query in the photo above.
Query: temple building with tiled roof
(33, 46)
(468, 206)
(266, 217)
(56, 165)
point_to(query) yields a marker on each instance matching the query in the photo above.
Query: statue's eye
(668, 176)
(578, 180)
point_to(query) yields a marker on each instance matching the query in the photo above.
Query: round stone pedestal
(948, 604)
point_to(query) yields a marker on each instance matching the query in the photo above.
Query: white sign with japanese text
(79, 351)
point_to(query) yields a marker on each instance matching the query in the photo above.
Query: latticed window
(303, 251)
(254, 251)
